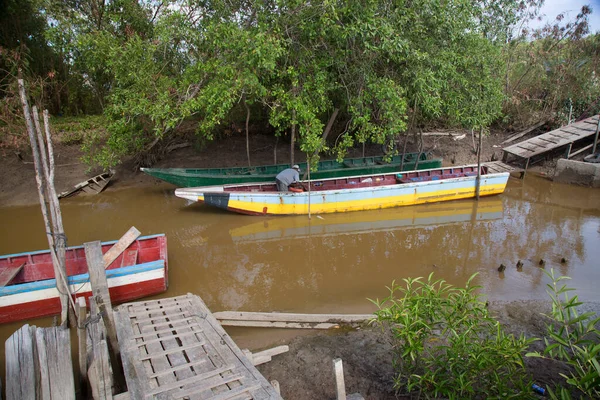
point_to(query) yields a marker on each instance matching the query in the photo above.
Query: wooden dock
(496, 167)
(175, 348)
(565, 137)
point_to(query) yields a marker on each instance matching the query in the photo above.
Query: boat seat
(129, 258)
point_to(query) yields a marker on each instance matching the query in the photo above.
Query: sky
(571, 8)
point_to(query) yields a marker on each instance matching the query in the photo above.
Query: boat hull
(40, 298)
(344, 200)
(185, 177)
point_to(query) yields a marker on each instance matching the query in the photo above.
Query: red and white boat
(30, 286)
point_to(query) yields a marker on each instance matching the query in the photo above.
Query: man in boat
(287, 177)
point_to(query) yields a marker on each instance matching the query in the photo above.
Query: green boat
(191, 177)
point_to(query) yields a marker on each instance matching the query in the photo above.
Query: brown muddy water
(335, 263)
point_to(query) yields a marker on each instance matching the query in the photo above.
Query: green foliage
(448, 346)
(546, 74)
(573, 339)
(150, 65)
(73, 130)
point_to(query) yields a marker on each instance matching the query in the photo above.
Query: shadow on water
(334, 263)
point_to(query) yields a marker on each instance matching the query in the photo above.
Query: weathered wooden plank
(142, 312)
(291, 317)
(340, 384)
(152, 364)
(124, 242)
(213, 383)
(193, 379)
(559, 137)
(93, 254)
(82, 341)
(9, 273)
(172, 329)
(159, 354)
(288, 325)
(135, 375)
(179, 367)
(220, 339)
(20, 365)
(193, 370)
(235, 393)
(99, 373)
(523, 133)
(139, 320)
(168, 341)
(56, 367)
(272, 352)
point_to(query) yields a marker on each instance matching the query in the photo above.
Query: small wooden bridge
(566, 137)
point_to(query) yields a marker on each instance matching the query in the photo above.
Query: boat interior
(36, 266)
(366, 181)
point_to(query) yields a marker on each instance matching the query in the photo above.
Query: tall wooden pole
(59, 269)
(308, 170)
(478, 183)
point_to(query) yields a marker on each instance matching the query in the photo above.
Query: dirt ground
(306, 371)
(18, 185)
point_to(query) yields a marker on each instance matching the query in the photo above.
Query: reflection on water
(335, 262)
(369, 221)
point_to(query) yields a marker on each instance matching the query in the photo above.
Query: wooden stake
(93, 254)
(82, 341)
(478, 183)
(308, 168)
(340, 385)
(596, 136)
(59, 270)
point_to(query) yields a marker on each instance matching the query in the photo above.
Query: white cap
(296, 166)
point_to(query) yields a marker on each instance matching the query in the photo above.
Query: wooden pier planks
(175, 348)
(496, 167)
(38, 364)
(554, 139)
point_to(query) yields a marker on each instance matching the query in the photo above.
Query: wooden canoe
(140, 271)
(365, 192)
(190, 177)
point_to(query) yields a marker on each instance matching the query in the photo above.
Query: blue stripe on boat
(82, 278)
(77, 247)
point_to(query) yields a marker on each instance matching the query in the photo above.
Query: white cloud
(570, 8)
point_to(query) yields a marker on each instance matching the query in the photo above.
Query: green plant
(573, 339)
(447, 345)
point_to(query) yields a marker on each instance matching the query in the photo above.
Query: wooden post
(568, 152)
(20, 364)
(93, 254)
(308, 168)
(338, 370)
(596, 136)
(59, 269)
(82, 342)
(100, 375)
(478, 182)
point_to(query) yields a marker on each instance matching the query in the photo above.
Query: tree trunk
(247, 131)
(293, 138)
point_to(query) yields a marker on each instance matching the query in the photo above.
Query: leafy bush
(448, 346)
(572, 339)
